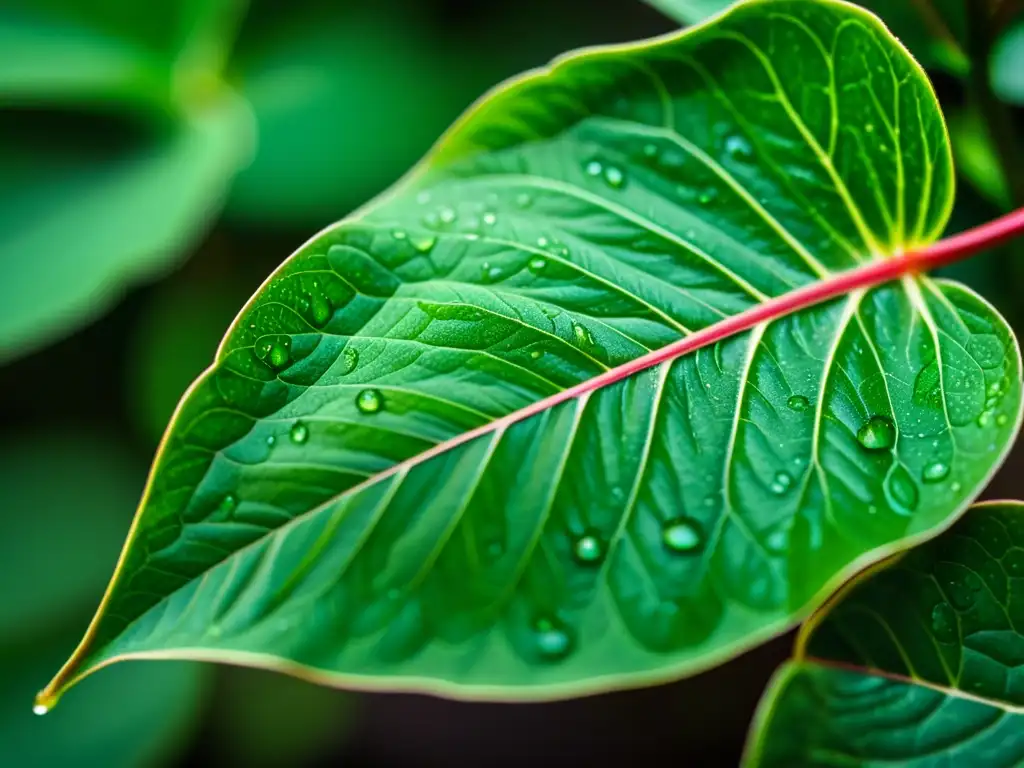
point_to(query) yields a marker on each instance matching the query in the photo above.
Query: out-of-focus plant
(125, 126)
(633, 372)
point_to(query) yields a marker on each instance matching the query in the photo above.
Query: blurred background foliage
(157, 161)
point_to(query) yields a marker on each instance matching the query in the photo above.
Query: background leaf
(575, 221)
(936, 635)
(1006, 67)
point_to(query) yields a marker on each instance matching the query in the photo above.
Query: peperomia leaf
(436, 451)
(917, 664)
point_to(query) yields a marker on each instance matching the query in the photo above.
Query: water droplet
(523, 200)
(227, 504)
(682, 535)
(588, 549)
(320, 309)
(777, 542)
(955, 487)
(798, 403)
(650, 150)
(986, 419)
(593, 168)
(738, 148)
(877, 434)
(706, 197)
(961, 596)
(399, 234)
(781, 483)
(582, 335)
(552, 641)
(369, 401)
(901, 490)
(271, 439)
(944, 623)
(1001, 420)
(447, 214)
(614, 177)
(490, 219)
(40, 709)
(350, 359)
(423, 243)
(537, 354)
(299, 433)
(869, 127)
(935, 472)
(537, 265)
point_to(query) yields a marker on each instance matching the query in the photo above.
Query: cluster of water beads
(612, 175)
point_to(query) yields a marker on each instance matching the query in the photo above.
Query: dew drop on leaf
(798, 403)
(588, 549)
(369, 401)
(271, 439)
(319, 309)
(960, 595)
(40, 709)
(490, 219)
(537, 354)
(593, 168)
(399, 234)
(707, 197)
(614, 177)
(781, 483)
(877, 434)
(537, 264)
(523, 200)
(682, 535)
(228, 503)
(935, 472)
(738, 148)
(901, 490)
(1001, 420)
(349, 359)
(944, 623)
(446, 215)
(553, 642)
(582, 335)
(985, 419)
(299, 433)
(423, 243)
(650, 150)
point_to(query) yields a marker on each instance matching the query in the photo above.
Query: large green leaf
(436, 451)
(933, 30)
(939, 640)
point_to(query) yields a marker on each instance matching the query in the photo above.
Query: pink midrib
(874, 273)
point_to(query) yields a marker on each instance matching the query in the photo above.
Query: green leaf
(1006, 68)
(976, 157)
(436, 451)
(80, 223)
(933, 30)
(937, 637)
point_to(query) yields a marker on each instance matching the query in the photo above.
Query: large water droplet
(276, 353)
(614, 177)
(588, 549)
(593, 168)
(369, 401)
(798, 403)
(349, 359)
(553, 642)
(320, 309)
(935, 472)
(944, 623)
(781, 483)
(299, 433)
(901, 489)
(877, 434)
(682, 535)
(986, 419)
(537, 264)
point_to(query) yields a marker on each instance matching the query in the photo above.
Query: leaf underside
(574, 220)
(918, 664)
